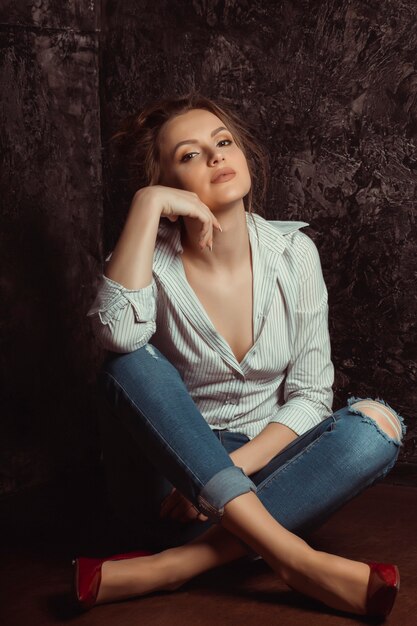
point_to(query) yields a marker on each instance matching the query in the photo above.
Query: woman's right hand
(178, 507)
(173, 202)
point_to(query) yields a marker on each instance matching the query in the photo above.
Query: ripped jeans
(301, 487)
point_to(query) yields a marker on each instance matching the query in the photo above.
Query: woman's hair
(138, 145)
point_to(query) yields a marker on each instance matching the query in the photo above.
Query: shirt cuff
(112, 298)
(298, 415)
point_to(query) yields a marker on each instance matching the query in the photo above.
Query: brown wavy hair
(137, 142)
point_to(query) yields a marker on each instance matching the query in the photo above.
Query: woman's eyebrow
(180, 143)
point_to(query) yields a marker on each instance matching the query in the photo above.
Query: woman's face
(194, 146)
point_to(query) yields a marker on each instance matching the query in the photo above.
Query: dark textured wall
(51, 213)
(331, 88)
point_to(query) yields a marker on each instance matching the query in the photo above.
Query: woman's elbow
(114, 341)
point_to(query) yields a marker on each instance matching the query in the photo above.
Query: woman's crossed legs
(323, 469)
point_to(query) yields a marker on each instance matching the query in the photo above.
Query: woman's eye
(184, 158)
(223, 140)
(187, 157)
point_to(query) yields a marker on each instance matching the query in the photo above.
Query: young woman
(219, 366)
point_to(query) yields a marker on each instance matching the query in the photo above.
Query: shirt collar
(269, 233)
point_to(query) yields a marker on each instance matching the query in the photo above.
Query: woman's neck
(231, 248)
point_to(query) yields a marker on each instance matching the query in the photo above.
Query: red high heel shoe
(87, 576)
(383, 587)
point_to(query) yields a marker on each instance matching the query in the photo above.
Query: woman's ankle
(333, 580)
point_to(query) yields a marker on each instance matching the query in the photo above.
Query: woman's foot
(363, 588)
(338, 582)
(137, 577)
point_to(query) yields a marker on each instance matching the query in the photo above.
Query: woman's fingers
(185, 512)
(180, 202)
(168, 503)
(206, 233)
(178, 507)
(182, 511)
(173, 505)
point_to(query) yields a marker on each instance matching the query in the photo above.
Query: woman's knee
(368, 450)
(130, 365)
(145, 372)
(382, 416)
(121, 370)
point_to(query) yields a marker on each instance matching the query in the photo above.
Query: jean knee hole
(380, 430)
(373, 422)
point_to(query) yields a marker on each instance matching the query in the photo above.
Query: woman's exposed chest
(228, 302)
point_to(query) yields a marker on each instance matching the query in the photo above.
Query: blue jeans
(301, 486)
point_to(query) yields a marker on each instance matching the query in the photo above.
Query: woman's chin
(226, 204)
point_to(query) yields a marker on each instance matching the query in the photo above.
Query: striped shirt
(285, 377)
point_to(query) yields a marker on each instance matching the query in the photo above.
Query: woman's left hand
(176, 506)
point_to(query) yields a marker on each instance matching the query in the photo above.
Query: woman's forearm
(132, 258)
(257, 453)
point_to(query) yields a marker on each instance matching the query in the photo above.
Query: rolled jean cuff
(221, 488)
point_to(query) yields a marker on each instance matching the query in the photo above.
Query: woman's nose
(216, 157)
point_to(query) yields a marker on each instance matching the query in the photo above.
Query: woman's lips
(224, 177)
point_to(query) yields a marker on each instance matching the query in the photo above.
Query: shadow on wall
(48, 353)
